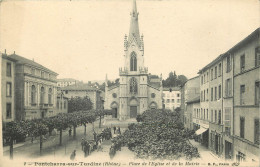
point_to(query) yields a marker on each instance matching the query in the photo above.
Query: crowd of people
(88, 146)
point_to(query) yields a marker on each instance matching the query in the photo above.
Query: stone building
(66, 82)
(189, 91)
(7, 88)
(246, 74)
(137, 90)
(83, 90)
(61, 104)
(230, 99)
(35, 89)
(171, 98)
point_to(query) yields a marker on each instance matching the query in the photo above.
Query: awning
(201, 130)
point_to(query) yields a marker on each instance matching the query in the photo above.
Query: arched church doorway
(133, 108)
(114, 107)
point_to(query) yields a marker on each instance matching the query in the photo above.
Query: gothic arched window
(133, 62)
(133, 86)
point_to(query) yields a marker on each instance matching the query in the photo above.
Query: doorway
(133, 111)
(114, 113)
(228, 150)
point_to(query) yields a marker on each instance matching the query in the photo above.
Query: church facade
(137, 90)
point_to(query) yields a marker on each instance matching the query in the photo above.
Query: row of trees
(159, 135)
(40, 127)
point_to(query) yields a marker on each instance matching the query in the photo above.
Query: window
(133, 86)
(216, 116)
(207, 94)
(228, 90)
(219, 117)
(168, 100)
(228, 63)
(211, 119)
(242, 94)
(256, 131)
(201, 80)
(201, 95)
(152, 95)
(219, 70)
(207, 114)
(207, 76)
(33, 95)
(219, 92)
(133, 62)
(204, 78)
(172, 100)
(65, 104)
(204, 97)
(216, 93)
(227, 119)
(178, 100)
(58, 105)
(8, 69)
(8, 89)
(42, 74)
(257, 93)
(240, 157)
(242, 127)
(50, 96)
(257, 56)
(178, 95)
(32, 71)
(242, 63)
(216, 72)
(42, 95)
(204, 114)
(211, 74)
(8, 110)
(114, 95)
(211, 94)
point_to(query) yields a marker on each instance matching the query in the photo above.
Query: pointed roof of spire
(134, 26)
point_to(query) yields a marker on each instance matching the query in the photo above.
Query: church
(137, 90)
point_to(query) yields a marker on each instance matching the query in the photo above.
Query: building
(189, 91)
(137, 90)
(229, 92)
(7, 88)
(83, 90)
(171, 98)
(246, 60)
(35, 89)
(66, 82)
(62, 104)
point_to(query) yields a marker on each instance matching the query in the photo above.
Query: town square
(130, 83)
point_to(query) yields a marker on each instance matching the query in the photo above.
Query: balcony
(125, 71)
(45, 106)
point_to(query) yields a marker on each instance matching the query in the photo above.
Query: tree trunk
(40, 144)
(74, 132)
(85, 129)
(60, 137)
(11, 148)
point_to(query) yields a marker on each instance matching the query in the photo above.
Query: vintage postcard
(139, 83)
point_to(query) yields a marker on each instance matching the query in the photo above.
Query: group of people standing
(116, 130)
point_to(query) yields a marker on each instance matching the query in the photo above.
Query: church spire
(134, 27)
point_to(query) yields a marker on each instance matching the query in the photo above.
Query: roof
(189, 80)
(235, 47)
(155, 84)
(8, 58)
(66, 79)
(84, 87)
(194, 100)
(23, 60)
(173, 88)
(113, 86)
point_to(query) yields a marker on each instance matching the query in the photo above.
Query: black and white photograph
(130, 83)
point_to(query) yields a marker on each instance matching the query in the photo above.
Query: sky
(84, 39)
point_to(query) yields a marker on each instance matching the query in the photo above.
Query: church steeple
(134, 26)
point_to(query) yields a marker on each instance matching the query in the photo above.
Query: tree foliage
(174, 80)
(78, 104)
(159, 135)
